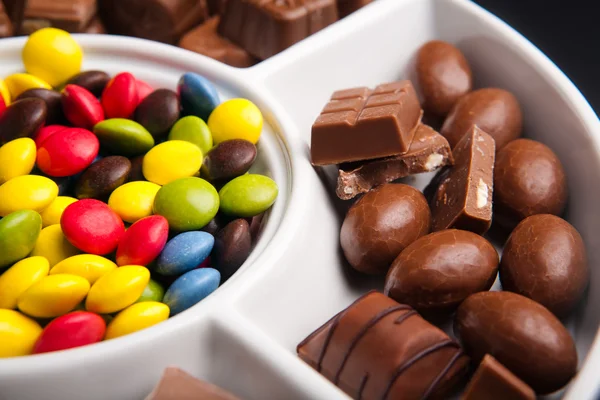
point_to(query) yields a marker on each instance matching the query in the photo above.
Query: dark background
(567, 31)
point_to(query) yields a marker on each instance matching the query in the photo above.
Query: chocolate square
(70, 15)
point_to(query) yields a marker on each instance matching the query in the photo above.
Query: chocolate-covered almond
(444, 76)
(496, 111)
(23, 118)
(521, 334)
(228, 160)
(53, 101)
(438, 271)
(232, 247)
(529, 179)
(545, 259)
(94, 81)
(158, 112)
(102, 177)
(381, 224)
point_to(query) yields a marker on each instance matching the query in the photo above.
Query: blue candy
(190, 288)
(184, 252)
(198, 95)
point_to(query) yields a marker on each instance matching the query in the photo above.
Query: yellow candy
(118, 289)
(5, 93)
(17, 158)
(171, 160)
(18, 334)
(53, 245)
(18, 278)
(53, 295)
(235, 119)
(52, 55)
(28, 192)
(137, 317)
(51, 215)
(88, 266)
(19, 83)
(133, 200)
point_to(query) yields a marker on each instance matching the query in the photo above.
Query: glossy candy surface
(67, 152)
(143, 241)
(192, 129)
(76, 329)
(124, 137)
(198, 95)
(46, 132)
(53, 295)
(93, 81)
(52, 214)
(18, 233)
(19, 83)
(88, 266)
(158, 112)
(27, 192)
(153, 292)
(133, 200)
(18, 334)
(53, 100)
(23, 118)
(118, 289)
(102, 177)
(228, 159)
(17, 158)
(190, 288)
(137, 317)
(171, 160)
(81, 107)
(232, 247)
(120, 96)
(248, 195)
(18, 278)
(236, 119)
(53, 245)
(184, 252)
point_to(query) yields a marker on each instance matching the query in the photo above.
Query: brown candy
(158, 112)
(93, 81)
(545, 259)
(495, 111)
(529, 179)
(136, 173)
(438, 271)
(444, 76)
(381, 224)
(232, 247)
(23, 118)
(53, 100)
(102, 177)
(521, 334)
(228, 159)
(175, 384)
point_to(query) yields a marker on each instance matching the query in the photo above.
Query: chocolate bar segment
(69, 15)
(96, 26)
(15, 9)
(380, 349)
(267, 27)
(176, 384)
(346, 7)
(216, 7)
(6, 27)
(362, 124)
(428, 151)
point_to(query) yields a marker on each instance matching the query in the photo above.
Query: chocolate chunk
(362, 124)
(346, 7)
(205, 40)
(177, 384)
(492, 381)
(96, 26)
(69, 15)
(6, 27)
(380, 349)
(216, 6)
(463, 199)
(15, 9)
(428, 151)
(267, 27)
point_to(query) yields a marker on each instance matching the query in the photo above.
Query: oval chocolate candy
(23, 118)
(102, 177)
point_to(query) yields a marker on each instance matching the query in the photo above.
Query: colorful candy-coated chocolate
(236, 119)
(153, 292)
(158, 112)
(232, 247)
(184, 252)
(171, 160)
(228, 159)
(18, 334)
(81, 107)
(248, 195)
(198, 95)
(133, 200)
(187, 203)
(120, 96)
(144, 89)
(22, 118)
(124, 137)
(88, 266)
(91, 226)
(67, 152)
(3, 105)
(27, 192)
(20, 82)
(137, 317)
(118, 289)
(18, 278)
(192, 129)
(46, 132)
(17, 158)
(102, 177)
(18, 233)
(143, 241)
(53, 245)
(75, 329)
(93, 81)
(190, 288)
(5, 93)
(53, 295)
(53, 100)
(51, 214)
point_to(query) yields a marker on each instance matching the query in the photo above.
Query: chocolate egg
(444, 76)
(438, 271)
(381, 224)
(53, 100)
(545, 259)
(496, 111)
(158, 112)
(229, 159)
(520, 333)
(529, 179)
(102, 177)
(94, 81)
(23, 118)
(232, 247)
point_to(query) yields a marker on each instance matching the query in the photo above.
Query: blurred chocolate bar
(216, 7)
(176, 384)
(15, 10)
(346, 7)
(70, 15)
(6, 27)
(96, 26)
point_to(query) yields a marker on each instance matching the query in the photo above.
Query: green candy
(153, 292)
(188, 204)
(18, 233)
(123, 137)
(248, 195)
(192, 129)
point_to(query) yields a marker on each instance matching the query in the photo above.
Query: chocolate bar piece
(6, 27)
(428, 151)
(206, 40)
(461, 197)
(15, 9)
(179, 385)
(492, 381)
(267, 27)
(380, 349)
(362, 124)
(160, 20)
(346, 7)
(95, 26)
(69, 15)
(216, 7)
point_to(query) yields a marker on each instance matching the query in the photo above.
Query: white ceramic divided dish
(243, 337)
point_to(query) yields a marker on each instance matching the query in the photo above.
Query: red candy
(143, 90)
(75, 329)
(205, 263)
(81, 107)
(91, 226)
(46, 132)
(3, 104)
(143, 241)
(67, 152)
(120, 97)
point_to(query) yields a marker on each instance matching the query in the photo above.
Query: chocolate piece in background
(380, 349)
(70, 15)
(463, 199)
(362, 124)
(161, 20)
(6, 27)
(346, 7)
(267, 27)
(204, 39)
(176, 384)
(96, 26)
(216, 7)
(428, 151)
(493, 381)
(15, 9)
